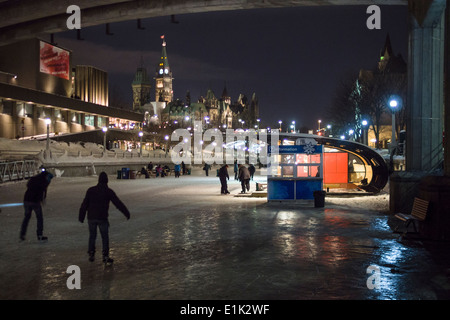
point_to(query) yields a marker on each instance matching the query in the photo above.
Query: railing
(18, 170)
(110, 154)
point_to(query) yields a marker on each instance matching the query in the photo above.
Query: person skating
(206, 167)
(236, 169)
(32, 201)
(223, 176)
(96, 204)
(244, 177)
(251, 169)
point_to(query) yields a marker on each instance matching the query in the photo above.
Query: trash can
(319, 198)
(125, 173)
(119, 174)
(132, 174)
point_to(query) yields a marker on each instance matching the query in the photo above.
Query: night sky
(292, 58)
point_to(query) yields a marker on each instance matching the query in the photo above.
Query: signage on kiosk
(296, 172)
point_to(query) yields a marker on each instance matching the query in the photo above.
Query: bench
(418, 213)
(261, 186)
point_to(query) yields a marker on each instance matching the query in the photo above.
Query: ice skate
(42, 239)
(107, 261)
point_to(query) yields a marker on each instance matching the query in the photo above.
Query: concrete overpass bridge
(428, 105)
(34, 17)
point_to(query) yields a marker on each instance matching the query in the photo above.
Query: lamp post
(364, 129)
(394, 105)
(280, 122)
(167, 139)
(293, 124)
(319, 121)
(258, 121)
(140, 142)
(329, 130)
(47, 147)
(104, 129)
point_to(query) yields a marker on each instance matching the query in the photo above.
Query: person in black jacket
(32, 201)
(223, 176)
(96, 203)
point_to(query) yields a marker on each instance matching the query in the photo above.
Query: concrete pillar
(429, 112)
(424, 143)
(425, 105)
(447, 93)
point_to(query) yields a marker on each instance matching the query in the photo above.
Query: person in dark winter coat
(206, 167)
(223, 176)
(236, 169)
(96, 204)
(251, 169)
(244, 177)
(32, 201)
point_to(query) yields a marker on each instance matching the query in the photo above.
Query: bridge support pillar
(428, 66)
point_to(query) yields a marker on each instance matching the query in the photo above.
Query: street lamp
(394, 105)
(365, 133)
(140, 142)
(167, 139)
(104, 129)
(329, 130)
(47, 147)
(319, 121)
(258, 120)
(293, 124)
(280, 122)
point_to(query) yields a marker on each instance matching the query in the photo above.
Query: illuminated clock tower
(141, 88)
(163, 79)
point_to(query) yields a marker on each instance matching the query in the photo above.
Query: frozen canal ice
(187, 241)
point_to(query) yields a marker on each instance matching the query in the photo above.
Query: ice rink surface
(186, 241)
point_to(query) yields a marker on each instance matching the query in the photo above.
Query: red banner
(54, 61)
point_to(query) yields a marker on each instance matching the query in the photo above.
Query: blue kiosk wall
(296, 173)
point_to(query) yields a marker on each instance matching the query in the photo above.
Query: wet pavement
(186, 241)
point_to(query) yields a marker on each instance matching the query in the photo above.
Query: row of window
(25, 110)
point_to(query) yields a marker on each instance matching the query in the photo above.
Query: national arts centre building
(39, 87)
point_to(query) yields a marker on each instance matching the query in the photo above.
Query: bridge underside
(35, 17)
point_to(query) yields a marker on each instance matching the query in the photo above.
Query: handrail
(18, 170)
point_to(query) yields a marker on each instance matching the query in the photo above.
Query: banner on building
(54, 61)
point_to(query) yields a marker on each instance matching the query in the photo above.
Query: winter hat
(103, 178)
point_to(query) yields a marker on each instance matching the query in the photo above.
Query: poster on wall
(54, 61)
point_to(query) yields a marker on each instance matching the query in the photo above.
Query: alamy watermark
(373, 281)
(247, 146)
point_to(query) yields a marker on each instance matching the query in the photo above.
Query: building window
(76, 117)
(59, 116)
(43, 112)
(89, 120)
(6, 107)
(101, 122)
(24, 110)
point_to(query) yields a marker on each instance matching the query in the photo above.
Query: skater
(236, 169)
(183, 167)
(207, 167)
(145, 173)
(223, 176)
(244, 177)
(177, 169)
(251, 169)
(32, 201)
(96, 203)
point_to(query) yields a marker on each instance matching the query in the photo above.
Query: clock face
(166, 71)
(160, 71)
